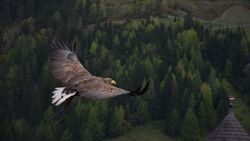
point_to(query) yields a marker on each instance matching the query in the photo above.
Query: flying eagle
(78, 81)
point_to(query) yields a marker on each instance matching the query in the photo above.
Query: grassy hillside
(192, 70)
(208, 10)
(235, 14)
(153, 131)
(150, 132)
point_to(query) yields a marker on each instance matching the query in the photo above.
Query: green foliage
(56, 18)
(20, 130)
(173, 124)
(190, 127)
(103, 10)
(90, 121)
(86, 134)
(116, 41)
(229, 70)
(139, 113)
(118, 125)
(187, 65)
(207, 107)
(93, 9)
(93, 48)
(66, 136)
(174, 93)
(45, 130)
(94, 125)
(207, 95)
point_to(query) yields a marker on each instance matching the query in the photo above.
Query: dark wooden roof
(229, 130)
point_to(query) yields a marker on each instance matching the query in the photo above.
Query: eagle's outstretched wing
(66, 67)
(96, 89)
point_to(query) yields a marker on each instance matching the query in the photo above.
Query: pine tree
(202, 117)
(95, 125)
(116, 41)
(93, 10)
(207, 99)
(20, 130)
(93, 48)
(45, 131)
(85, 134)
(66, 136)
(173, 100)
(228, 72)
(173, 124)
(56, 18)
(118, 125)
(190, 128)
(139, 112)
(102, 9)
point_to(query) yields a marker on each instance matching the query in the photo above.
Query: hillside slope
(153, 131)
(149, 132)
(202, 9)
(235, 14)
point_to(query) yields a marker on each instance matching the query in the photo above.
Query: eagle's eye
(113, 82)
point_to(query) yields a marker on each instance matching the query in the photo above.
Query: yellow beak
(113, 82)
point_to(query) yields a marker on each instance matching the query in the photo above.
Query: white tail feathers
(60, 96)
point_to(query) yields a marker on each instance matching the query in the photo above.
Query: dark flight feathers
(65, 67)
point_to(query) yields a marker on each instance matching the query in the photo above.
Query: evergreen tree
(94, 125)
(127, 51)
(45, 131)
(173, 99)
(118, 125)
(173, 124)
(86, 134)
(207, 99)
(140, 113)
(116, 41)
(190, 128)
(56, 18)
(229, 70)
(202, 117)
(102, 8)
(93, 10)
(66, 136)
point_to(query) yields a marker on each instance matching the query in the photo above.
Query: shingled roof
(229, 130)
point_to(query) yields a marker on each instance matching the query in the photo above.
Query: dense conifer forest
(192, 70)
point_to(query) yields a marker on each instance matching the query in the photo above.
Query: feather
(57, 94)
(60, 95)
(66, 68)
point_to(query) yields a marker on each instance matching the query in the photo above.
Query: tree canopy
(192, 70)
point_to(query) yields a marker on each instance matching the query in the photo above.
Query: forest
(193, 69)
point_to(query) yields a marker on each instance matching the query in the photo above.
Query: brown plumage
(78, 81)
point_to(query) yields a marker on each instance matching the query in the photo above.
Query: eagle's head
(109, 81)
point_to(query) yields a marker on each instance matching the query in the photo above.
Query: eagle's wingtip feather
(60, 96)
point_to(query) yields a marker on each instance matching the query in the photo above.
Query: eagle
(78, 81)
